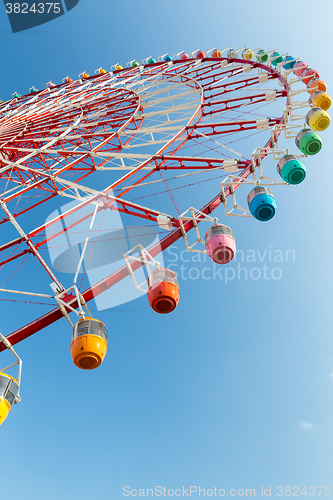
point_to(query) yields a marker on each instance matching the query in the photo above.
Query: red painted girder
(42, 228)
(180, 77)
(16, 214)
(114, 278)
(227, 103)
(238, 71)
(60, 152)
(98, 121)
(107, 282)
(196, 162)
(158, 160)
(201, 164)
(240, 126)
(89, 107)
(109, 202)
(72, 164)
(147, 214)
(164, 159)
(47, 126)
(14, 257)
(207, 81)
(236, 85)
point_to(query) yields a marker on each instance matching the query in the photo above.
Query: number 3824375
(35, 8)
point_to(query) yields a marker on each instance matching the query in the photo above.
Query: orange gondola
(163, 290)
(89, 343)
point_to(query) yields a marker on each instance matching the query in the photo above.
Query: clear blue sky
(232, 390)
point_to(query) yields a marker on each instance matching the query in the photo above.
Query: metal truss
(54, 141)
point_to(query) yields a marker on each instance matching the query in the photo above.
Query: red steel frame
(127, 105)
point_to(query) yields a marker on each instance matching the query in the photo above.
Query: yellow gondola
(9, 389)
(9, 386)
(89, 343)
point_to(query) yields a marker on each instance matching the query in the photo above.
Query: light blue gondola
(289, 62)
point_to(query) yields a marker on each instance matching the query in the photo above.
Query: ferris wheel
(157, 146)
